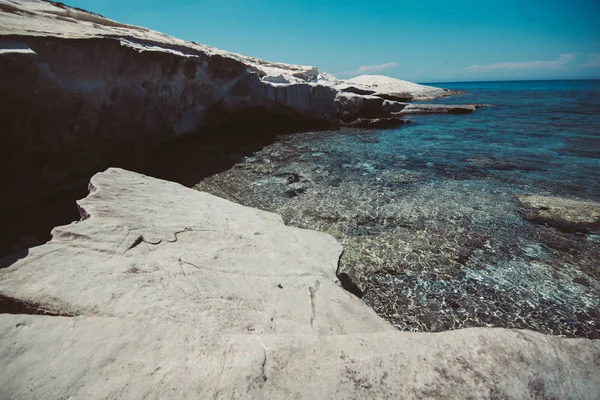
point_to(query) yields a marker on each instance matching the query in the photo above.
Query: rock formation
(396, 89)
(165, 292)
(565, 214)
(81, 92)
(440, 109)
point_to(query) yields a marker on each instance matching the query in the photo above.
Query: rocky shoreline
(162, 291)
(127, 90)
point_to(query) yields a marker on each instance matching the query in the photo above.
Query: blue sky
(421, 41)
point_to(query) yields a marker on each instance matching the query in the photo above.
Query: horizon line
(511, 80)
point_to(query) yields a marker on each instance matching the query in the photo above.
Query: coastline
(162, 289)
(281, 233)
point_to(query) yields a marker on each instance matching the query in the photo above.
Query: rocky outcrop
(440, 109)
(209, 262)
(377, 123)
(162, 291)
(78, 102)
(565, 214)
(397, 89)
(81, 92)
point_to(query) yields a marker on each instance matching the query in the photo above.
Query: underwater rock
(565, 214)
(440, 108)
(377, 123)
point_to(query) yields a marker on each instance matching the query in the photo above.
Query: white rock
(385, 84)
(154, 250)
(166, 292)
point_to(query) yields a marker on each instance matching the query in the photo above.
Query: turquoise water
(432, 229)
(543, 134)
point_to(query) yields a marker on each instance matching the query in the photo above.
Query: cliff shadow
(192, 158)
(28, 224)
(186, 160)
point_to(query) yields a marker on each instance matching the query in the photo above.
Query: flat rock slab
(440, 109)
(117, 358)
(154, 250)
(164, 292)
(564, 214)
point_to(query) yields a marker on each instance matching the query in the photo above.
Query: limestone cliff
(80, 93)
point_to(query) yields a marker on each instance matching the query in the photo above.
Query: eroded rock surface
(146, 242)
(162, 291)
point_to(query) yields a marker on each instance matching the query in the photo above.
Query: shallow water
(427, 213)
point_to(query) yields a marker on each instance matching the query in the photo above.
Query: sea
(433, 231)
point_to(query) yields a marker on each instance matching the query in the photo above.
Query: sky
(420, 41)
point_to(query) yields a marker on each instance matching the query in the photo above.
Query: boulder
(165, 292)
(565, 214)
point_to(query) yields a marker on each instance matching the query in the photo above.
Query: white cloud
(593, 62)
(560, 62)
(369, 69)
